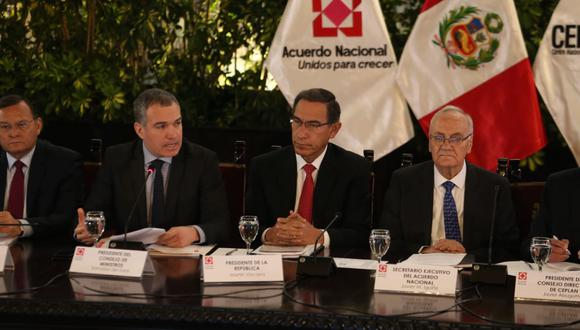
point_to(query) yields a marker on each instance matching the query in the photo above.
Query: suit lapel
(3, 183)
(470, 204)
(176, 173)
(425, 197)
(287, 183)
(35, 177)
(325, 182)
(134, 178)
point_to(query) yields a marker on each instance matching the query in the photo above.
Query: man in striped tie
(296, 191)
(446, 205)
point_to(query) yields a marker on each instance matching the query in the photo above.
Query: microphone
(312, 265)
(488, 273)
(129, 245)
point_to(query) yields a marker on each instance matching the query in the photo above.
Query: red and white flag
(344, 46)
(557, 71)
(471, 54)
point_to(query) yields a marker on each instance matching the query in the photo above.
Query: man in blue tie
(446, 205)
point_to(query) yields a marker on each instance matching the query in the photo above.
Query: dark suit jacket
(560, 212)
(342, 185)
(195, 192)
(408, 212)
(54, 191)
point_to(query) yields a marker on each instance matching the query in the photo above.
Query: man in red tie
(40, 183)
(296, 191)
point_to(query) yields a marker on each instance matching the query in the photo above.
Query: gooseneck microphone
(124, 244)
(315, 251)
(486, 272)
(312, 265)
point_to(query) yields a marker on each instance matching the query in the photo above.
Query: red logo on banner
(80, 251)
(382, 268)
(336, 13)
(209, 260)
(523, 276)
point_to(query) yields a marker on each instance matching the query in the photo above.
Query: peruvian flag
(471, 54)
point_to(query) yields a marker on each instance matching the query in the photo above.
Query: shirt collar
(300, 162)
(27, 159)
(149, 157)
(458, 180)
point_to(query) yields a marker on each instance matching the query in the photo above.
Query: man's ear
(138, 129)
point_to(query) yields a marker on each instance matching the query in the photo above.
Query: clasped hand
(293, 230)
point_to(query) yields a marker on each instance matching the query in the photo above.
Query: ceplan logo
(337, 15)
(469, 37)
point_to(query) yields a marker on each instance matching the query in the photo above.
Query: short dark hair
(323, 96)
(149, 97)
(13, 99)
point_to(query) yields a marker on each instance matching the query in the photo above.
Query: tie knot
(18, 164)
(308, 168)
(157, 164)
(448, 185)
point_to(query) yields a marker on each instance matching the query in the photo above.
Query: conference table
(39, 293)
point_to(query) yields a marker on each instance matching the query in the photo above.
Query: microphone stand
(317, 266)
(131, 245)
(488, 273)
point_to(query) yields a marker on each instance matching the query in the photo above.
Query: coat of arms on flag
(468, 40)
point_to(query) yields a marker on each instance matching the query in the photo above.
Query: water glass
(248, 227)
(379, 241)
(95, 224)
(540, 249)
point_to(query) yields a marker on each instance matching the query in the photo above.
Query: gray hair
(148, 98)
(454, 109)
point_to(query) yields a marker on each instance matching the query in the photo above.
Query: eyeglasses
(309, 125)
(21, 126)
(453, 140)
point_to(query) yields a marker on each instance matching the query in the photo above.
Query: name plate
(6, 262)
(111, 262)
(535, 285)
(243, 268)
(422, 279)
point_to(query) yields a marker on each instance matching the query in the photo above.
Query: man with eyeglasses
(446, 205)
(41, 184)
(183, 193)
(297, 190)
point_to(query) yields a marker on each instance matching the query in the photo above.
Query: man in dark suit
(185, 192)
(446, 205)
(558, 217)
(296, 191)
(40, 183)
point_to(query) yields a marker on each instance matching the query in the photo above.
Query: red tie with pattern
(307, 195)
(16, 195)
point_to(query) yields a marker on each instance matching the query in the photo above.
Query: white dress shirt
(458, 192)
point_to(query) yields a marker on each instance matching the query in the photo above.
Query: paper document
(514, 267)
(146, 236)
(435, 259)
(188, 251)
(285, 251)
(229, 252)
(365, 264)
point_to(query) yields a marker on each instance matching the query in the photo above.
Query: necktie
(16, 195)
(307, 195)
(450, 213)
(158, 204)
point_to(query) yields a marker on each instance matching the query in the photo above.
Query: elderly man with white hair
(446, 205)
